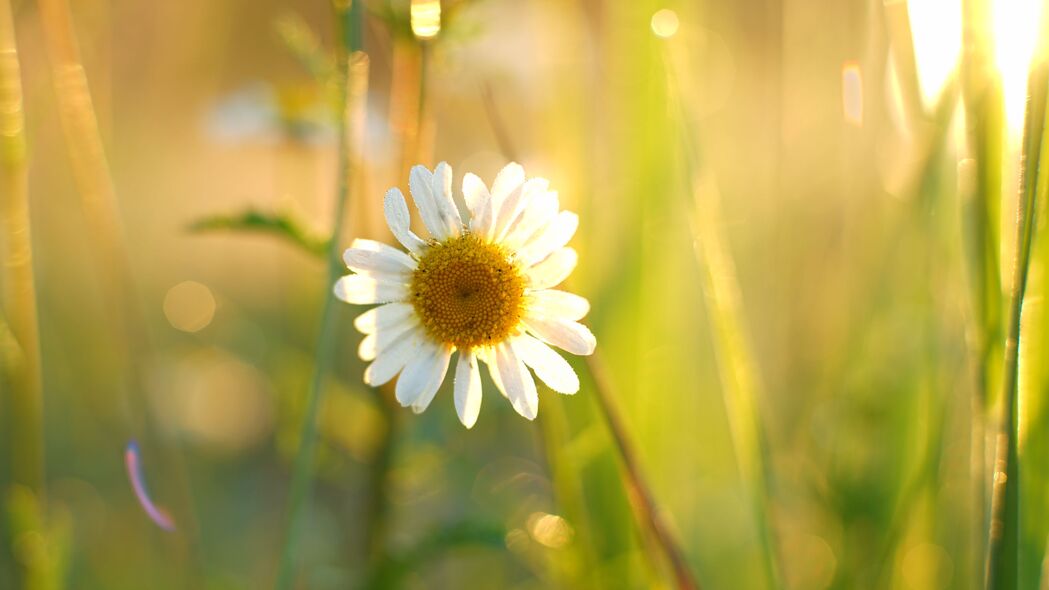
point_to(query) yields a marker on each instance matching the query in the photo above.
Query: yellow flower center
(467, 292)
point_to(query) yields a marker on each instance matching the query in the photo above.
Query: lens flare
(852, 93)
(138, 484)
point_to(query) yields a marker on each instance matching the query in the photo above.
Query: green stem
(353, 75)
(1004, 530)
(378, 508)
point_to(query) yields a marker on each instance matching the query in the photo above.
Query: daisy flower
(483, 288)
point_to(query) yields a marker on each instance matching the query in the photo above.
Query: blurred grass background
(797, 234)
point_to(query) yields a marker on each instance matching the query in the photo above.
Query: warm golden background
(797, 229)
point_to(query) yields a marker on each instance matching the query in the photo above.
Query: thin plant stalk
(353, 88)
(739, 374)
(641, 498)
(25, 398)
(1004, 530)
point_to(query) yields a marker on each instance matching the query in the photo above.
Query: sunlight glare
(1015, 37)
(936, 26)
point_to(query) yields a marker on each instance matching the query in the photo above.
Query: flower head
(483, 288)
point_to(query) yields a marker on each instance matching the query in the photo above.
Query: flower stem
(1004, 530)
(353, 85)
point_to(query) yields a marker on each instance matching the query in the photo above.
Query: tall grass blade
(739, 373)
(24, 398)
(1004, 530)
(981, 181)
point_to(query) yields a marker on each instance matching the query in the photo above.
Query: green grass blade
(1004, 531)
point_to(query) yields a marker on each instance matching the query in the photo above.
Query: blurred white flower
(483, 288)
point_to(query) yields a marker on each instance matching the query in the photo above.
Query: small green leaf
(282, 224)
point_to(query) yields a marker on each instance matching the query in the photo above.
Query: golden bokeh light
(213, 400)
(550, 530)
(426, 18)
(189, 306)
(665, 23)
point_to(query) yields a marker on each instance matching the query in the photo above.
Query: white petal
(437, 373)
(420, 182)
(475, 193)
(393, 358)
(553, 304)
(481, 221)
(365, 289)
(508, 206)
(509, 178)
(420, 405)
(514, 205)
(467, 388)
(420, 373)
(374, 344)
(549, 366)
(571, 336)
(540, 212)
(397, 217)
(381, 317)
(552, 237)
(442, 198)
(520, 387)
(553, 270)
(488, 356)
(372, 256)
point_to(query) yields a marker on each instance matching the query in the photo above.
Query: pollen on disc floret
(467, 292)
